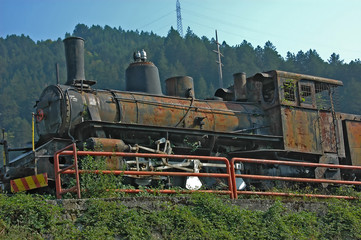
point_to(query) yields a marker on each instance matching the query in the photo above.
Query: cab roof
(295, 76)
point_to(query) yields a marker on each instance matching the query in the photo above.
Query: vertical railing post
(76, 171)
(230, 179)
(234, 185)
(57, 175)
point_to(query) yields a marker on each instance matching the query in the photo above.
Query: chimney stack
(74, 54)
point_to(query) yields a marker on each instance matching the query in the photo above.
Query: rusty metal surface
(206, 115)
(274, 115)
(340, 136)
(105, 105)
(353, 129)
(180, 87)
(297, 77)
(328, 132)
(301, 130)
(109, 145)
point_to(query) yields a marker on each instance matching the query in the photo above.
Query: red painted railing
(73, 169)
(230, 174)
(58, 172)
(294, 179)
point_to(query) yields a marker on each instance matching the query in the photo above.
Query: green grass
(205, 217)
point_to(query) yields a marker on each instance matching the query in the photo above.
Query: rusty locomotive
(271, 115)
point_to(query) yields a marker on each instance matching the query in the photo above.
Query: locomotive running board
(87, 125)
(28, 157)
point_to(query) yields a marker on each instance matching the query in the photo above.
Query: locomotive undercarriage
(148, 139)
(204, 143)
(154, 139)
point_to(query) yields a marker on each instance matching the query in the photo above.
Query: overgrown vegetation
(204, 217)
(98, 185)
(30, 217)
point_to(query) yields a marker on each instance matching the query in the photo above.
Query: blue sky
(327, 26)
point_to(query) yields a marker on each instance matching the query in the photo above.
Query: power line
(277, 37)
(230, 24)
(193, 13)
(156, 20)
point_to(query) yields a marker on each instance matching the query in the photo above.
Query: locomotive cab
(302, 109)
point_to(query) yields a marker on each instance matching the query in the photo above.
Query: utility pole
(219, 62)
(5, 153)
(179, 19)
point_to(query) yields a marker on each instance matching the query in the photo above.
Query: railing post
(57, 176)
(57, 172)
(76, 171)
(230, 179)
(234, 185)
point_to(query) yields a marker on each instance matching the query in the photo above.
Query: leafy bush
(204, 217)
(30, 217)
(342, 221)
(98, 185)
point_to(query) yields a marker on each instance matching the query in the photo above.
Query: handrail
(230, 174)
(59, 171)
(295, 179)
(76, 171)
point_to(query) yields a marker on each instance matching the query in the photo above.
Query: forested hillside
(27, 67)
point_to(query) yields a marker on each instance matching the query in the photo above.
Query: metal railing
(293, 179)
(230, 174)
(73, 169)
(58, 171)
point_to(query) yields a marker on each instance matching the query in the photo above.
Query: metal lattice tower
(179, 19)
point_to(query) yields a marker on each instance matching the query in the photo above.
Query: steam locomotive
(271, 115)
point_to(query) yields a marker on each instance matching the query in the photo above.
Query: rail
(294, 179)
(73, 169)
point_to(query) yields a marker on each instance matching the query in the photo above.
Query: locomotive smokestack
(74, 54)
